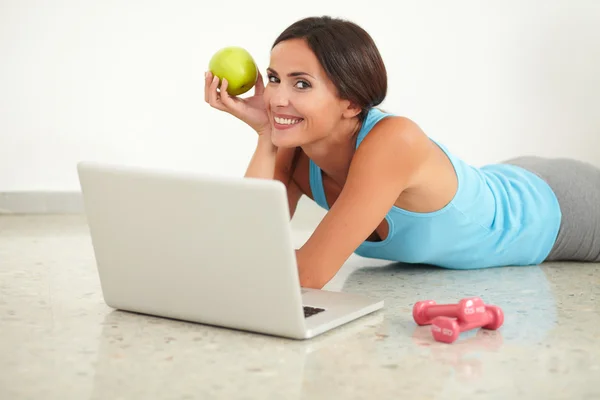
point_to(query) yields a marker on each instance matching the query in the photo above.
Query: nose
(280, 97)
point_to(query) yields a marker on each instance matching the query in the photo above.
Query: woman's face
(301, 100)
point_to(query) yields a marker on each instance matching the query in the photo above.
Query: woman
(392, 192)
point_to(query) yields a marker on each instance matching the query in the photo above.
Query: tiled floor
(58, 340)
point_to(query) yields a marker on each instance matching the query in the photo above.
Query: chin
(284, 140)
(284, 145)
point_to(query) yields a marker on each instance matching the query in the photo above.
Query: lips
(285, 121)
(289, 116)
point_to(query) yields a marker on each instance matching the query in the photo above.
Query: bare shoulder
(396, 130)
(395, 145)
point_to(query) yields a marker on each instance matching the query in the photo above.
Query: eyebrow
(291, 74)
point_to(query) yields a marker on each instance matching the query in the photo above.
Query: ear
(349, 109)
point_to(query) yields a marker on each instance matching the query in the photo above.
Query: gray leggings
(577, 187)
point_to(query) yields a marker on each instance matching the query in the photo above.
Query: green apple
(237, 66)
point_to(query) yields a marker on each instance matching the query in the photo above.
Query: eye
(305, 84)
(273, 79)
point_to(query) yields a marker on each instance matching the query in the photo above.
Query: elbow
(313, 279)
(312, 273)
(311, 283)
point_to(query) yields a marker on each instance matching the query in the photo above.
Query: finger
(207, 82)
(213, 95)
(225, 98)
(259, 87)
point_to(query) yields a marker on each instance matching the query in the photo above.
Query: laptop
(215, 250)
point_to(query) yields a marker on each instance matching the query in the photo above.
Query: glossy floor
(58, 340)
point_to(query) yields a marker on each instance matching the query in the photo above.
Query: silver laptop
(215, 250)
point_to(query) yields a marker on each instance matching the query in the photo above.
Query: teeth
(287, 121)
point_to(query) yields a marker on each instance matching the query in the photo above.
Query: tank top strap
(316, 185)
(373, 116)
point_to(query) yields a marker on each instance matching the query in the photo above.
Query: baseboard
(307, 216)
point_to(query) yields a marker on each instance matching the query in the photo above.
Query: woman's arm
(262, 163)
(382, 168)
(269, 162)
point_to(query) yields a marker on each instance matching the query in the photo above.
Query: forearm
(262, 164)
(311, 272)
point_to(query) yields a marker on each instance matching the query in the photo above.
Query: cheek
(312, 108)
(320, 114)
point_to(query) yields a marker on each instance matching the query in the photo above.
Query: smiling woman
(392, 192)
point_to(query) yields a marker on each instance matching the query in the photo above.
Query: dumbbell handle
(483, 320)
(439, 310)
(425, 311)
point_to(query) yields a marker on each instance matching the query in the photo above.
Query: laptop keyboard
(309, 311)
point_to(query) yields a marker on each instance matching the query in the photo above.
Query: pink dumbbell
(447, 330)
(468, 309)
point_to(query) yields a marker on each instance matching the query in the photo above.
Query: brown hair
(348, 55)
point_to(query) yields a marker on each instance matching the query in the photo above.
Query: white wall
(122, 81)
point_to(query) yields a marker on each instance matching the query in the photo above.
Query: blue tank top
(501, 215)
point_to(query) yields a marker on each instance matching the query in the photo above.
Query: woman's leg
(577, 187)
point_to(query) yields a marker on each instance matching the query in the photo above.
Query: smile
(287, 121)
